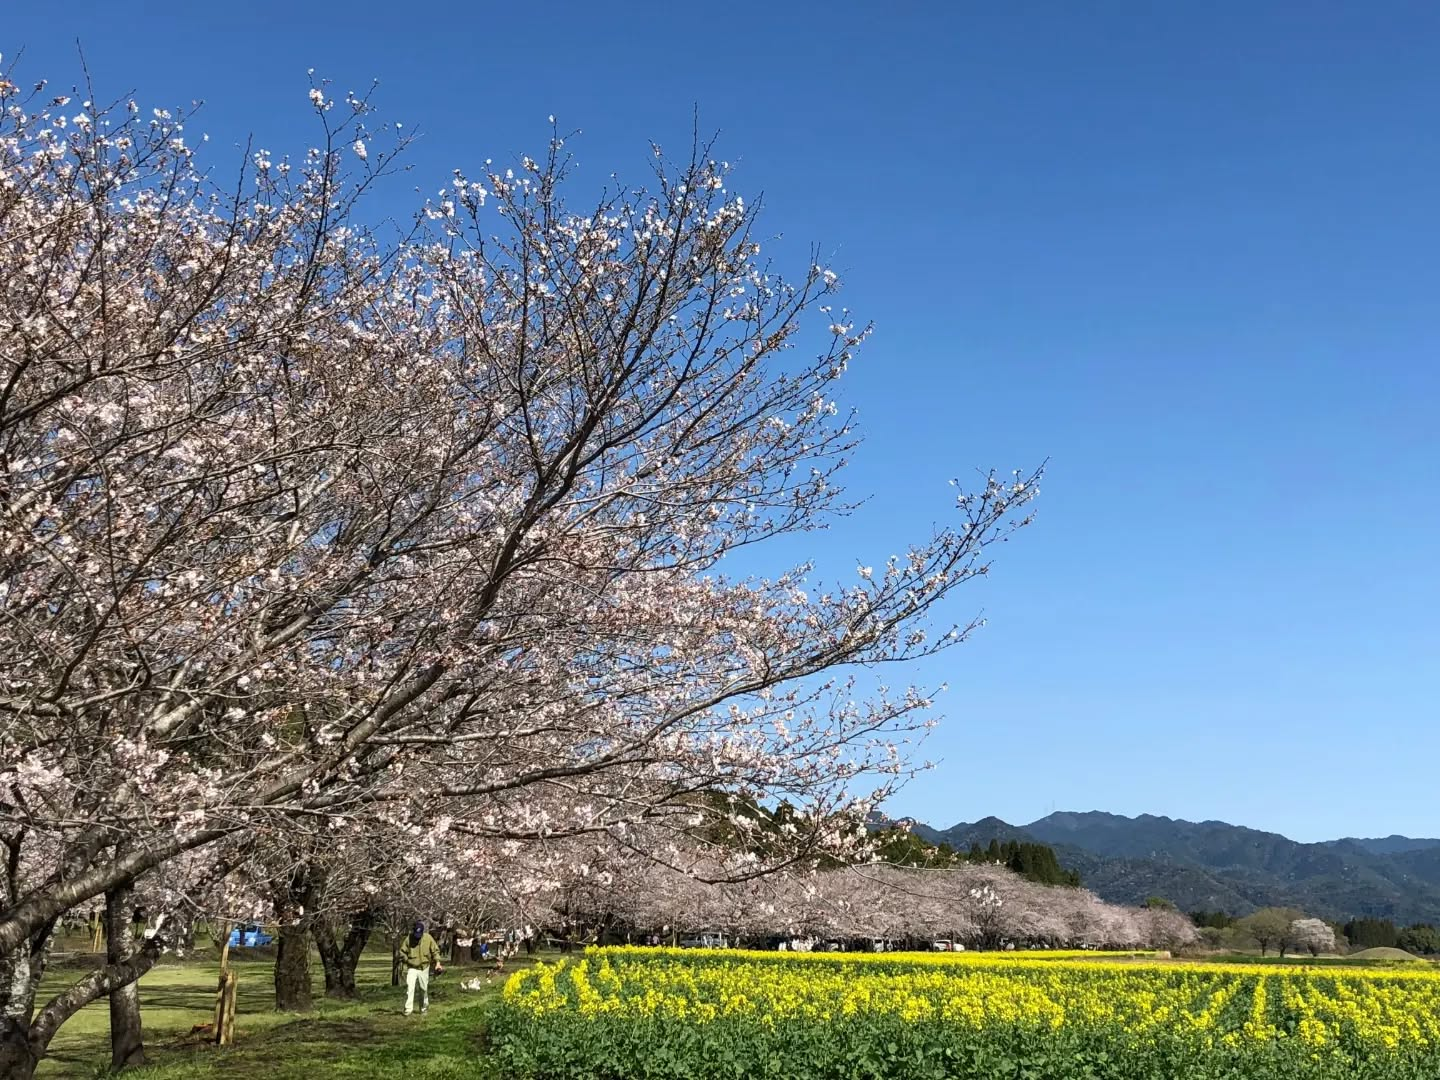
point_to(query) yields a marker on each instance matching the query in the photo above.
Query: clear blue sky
(1187, 252)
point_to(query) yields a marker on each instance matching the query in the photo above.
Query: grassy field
(370, 1037)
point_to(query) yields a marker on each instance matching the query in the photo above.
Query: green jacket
(422, 955)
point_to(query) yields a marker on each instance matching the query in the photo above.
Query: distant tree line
(1268, 928)
(1218, 920)
(1423, 939)
(1033, 862)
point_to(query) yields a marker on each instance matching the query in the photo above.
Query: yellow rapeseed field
(940, 1014)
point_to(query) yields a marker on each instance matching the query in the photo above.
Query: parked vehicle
(706, 940)
(942, 945)
(249, 937)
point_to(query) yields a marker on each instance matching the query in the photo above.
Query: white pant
(417, 977)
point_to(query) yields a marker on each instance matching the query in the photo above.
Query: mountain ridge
(1214, 865)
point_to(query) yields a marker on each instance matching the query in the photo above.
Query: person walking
(419, 952)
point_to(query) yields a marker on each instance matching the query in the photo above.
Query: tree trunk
(18, 983)
(356, 938)
(16, 1062)
(396, 966)
(296, 901)
(340, 981)
(25, 1032)
(292, 969)
(127, 1039)
(25, 932)
(340, 959)
(330, 964)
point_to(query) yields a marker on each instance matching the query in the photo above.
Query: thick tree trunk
(18, 983)
(127, 1039)
(16, 1062)
(297, 898)
(292, 969)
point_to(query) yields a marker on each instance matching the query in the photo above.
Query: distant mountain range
(1209, 865)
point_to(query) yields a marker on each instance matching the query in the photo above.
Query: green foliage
(1220, 920)
(1212, 936)
(1037, 862)
(889, 1048)
(1159, 903)
(1034, 862)
(1421, 939)
(901, 847)
(1371, 934)
(1269, 928)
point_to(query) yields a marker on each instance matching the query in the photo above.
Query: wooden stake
(225, 1023)
(225, 996)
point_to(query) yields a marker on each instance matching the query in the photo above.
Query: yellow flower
(1203, 1005)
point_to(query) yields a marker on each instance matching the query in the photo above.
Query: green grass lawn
(370, 1037)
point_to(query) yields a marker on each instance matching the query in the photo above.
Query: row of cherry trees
(319, 539)
(586, 890)
(983, 906)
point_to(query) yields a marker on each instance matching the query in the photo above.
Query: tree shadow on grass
(181, 1000)
(304, 1047)
(300, 1046)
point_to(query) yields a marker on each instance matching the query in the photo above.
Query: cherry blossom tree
(984, 906)
(303, 526)
(1167, 929)
(1313, 935)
